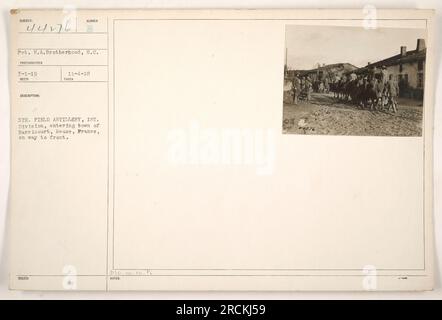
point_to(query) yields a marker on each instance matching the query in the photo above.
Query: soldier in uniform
(379, 87)
(384, 74)
(392, 91)
(326, 85)
(296, 88)
(372, 92)
(308, 88)
(360, 87)
(384, 79)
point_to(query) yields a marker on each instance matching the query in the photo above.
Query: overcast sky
(309, 45)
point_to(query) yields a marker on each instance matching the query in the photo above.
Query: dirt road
(325, 115)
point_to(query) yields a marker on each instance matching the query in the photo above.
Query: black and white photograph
(354, 81)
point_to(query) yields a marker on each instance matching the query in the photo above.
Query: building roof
(410, 56)
(345, 66)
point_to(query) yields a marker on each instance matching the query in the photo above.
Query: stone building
(407, 67)
(329, 71)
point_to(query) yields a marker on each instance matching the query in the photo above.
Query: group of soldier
(302, 88)
(375, 90)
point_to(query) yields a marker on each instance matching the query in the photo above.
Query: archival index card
(221, 149)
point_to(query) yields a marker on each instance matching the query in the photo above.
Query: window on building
(400, 68)
(420, 80)
(420, 65)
